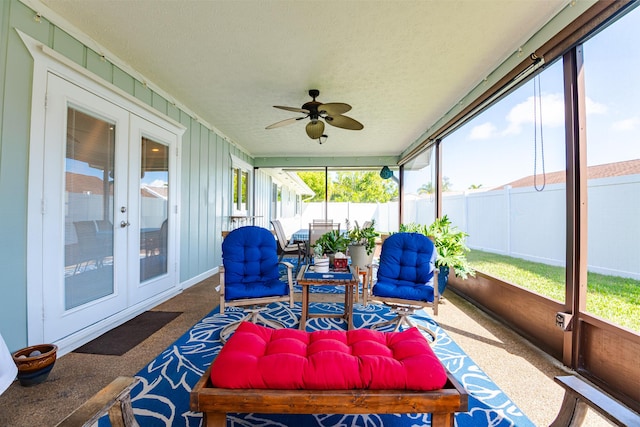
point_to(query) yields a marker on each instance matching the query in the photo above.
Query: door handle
(124, 224)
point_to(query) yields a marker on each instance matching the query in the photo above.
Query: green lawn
(616, 299)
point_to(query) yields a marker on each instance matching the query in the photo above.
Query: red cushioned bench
(288, 371)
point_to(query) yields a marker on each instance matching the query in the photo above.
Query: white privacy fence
(520, 222)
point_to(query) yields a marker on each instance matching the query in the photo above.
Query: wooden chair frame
(402, 308)
(256, 305)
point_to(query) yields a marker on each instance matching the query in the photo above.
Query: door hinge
(46, 100)
(43, 207)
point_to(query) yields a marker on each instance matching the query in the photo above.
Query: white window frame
(238, 166)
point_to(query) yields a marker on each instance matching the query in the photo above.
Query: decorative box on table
(331, 274)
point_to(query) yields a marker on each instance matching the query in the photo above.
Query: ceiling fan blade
(315, 129)
(333, 108)
(344, 122)
(284, 122)
(294, 109)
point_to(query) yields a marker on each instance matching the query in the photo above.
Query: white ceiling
(401, 65)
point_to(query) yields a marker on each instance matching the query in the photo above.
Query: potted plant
(450, 245)
(331, 243)
(320, 260)
(362, 243)
(451, 249)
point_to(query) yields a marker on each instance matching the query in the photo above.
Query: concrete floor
(522, 371)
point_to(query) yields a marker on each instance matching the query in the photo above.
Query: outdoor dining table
(301, 235)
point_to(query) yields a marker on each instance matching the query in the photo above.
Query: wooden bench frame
(580, 396)
(215, 403)
(114, 399)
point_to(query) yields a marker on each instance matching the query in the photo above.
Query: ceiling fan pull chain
(537, 99)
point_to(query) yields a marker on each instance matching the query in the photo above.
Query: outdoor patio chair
(405, 278)
(250, 278)
(94, 241)
(317, 229)
(322, 221)
(285, 246)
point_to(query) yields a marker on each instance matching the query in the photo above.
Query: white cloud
(484, 131)
(626, 124)
(594, 107)
(521, 114)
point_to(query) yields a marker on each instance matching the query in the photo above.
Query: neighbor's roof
(629, 167)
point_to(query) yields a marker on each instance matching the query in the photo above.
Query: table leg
(365, 288)
(214, 419)
(348, 305)
(305, 307)
(442, 420)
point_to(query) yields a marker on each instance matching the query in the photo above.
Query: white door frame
(47, 61)
(59, 320)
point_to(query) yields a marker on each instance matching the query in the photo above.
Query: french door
(108, 228)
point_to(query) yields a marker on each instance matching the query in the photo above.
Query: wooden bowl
(35, 369)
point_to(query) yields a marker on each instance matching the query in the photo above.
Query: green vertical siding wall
(204, 159)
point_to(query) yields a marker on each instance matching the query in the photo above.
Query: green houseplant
(362, 243)
(363, 236)
(331, 242)
(450, 246)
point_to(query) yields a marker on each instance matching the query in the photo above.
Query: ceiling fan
(331, 113)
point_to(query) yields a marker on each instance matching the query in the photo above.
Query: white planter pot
(359, 257)
(321, 265)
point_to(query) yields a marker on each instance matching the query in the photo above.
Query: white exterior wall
(531, 225)
(614, 226)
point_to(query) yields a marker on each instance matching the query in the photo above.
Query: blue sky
(498, 146)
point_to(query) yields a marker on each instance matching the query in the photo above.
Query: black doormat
(118, 341)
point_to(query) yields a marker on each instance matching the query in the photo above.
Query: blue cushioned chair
(249, 276)
(405, 278)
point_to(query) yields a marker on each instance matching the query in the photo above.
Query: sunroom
(152, 125)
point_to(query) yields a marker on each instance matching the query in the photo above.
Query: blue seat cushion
(410, 291)
(255, 289)
(407, 267)
(250, 259)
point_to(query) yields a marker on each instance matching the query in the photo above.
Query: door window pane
(154, 193)
(89, 183)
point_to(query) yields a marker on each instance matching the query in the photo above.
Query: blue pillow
(250, 260)
(407, 267)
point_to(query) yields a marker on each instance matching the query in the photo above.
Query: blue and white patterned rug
(162, 396)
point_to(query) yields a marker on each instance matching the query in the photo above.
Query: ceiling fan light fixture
(315, 129)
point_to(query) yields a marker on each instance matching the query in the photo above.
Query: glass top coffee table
(347, 278)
